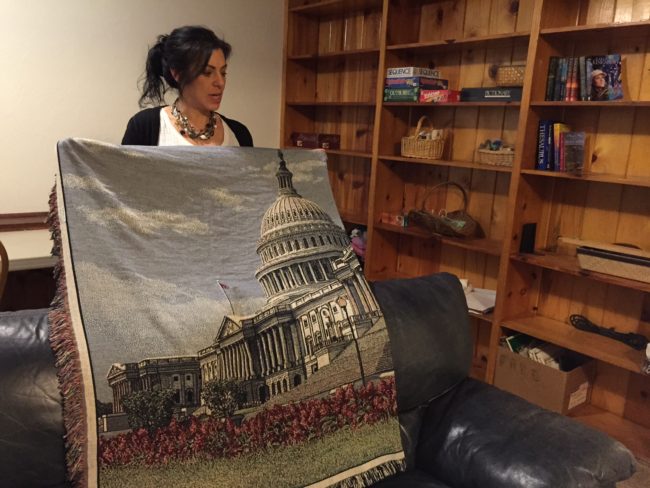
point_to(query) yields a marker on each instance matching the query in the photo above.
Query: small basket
(512, 75)
(457, 223)
(502, 157)
(417, 147)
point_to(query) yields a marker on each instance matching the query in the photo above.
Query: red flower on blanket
(276, 426)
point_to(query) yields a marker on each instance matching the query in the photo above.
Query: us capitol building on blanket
(317, 298)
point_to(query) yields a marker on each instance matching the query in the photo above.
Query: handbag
(457, 223)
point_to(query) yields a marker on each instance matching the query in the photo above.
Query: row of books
(584, 78)
(561, 149)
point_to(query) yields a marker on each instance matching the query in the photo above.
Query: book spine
(562, 152)
(557, 89)
(582, 66)
(588, 69)
(563, 77)
(542, 144)
(550, 80)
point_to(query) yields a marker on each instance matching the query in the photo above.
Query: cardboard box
(312, 140)
(555, 390)
(393, 219)
(439, 96)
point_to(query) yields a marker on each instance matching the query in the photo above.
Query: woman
(193, 61)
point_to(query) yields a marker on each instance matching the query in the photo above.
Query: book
(558, 129)
(588, 70)
(481, 300)
(582, 68)
(575, 152)
(544, 144)
(501, 94)
(407, 71)
(564, 72)
(417, 82)
(401, 94)
(550, 79)
(605, 77)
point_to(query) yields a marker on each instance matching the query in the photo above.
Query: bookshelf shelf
(329, 104)
(594, 104)
(452, 104)
(487, 246)
(569, 265)
(353, 154)
(579, 32)
(564, 335)
(334, 54)
(443, 162)
(358, 218)
(595, 177)
(461, 43)
(484, 317)
(332, 7)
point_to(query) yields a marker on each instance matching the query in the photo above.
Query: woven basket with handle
(417, 146)
(457, 223)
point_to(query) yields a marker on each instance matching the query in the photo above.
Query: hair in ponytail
(186, 50)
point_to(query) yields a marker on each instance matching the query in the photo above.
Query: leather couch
(457, 432)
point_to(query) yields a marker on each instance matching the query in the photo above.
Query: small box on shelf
(439, 96)
(389, 218)
(312, 140)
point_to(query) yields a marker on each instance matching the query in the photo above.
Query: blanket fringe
(373, 475)
(68, 366)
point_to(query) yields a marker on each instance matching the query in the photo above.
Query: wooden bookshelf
(336, 55)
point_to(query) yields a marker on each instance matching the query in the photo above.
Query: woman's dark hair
(187, 51)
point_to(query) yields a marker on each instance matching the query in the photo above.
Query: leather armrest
(478, 435)
(31, 425)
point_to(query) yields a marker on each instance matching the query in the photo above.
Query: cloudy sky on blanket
(154, 232)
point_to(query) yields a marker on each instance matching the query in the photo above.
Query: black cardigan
(144, 127)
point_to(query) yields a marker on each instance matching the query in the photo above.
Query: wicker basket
(417, 147)
(502, 157)
(617, 261)
(512, 75)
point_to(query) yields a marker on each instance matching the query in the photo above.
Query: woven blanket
(212, 325)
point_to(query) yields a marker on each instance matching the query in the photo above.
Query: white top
(169, 136)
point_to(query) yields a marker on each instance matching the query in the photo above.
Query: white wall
(70, 69)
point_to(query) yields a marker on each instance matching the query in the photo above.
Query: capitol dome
(298, 243)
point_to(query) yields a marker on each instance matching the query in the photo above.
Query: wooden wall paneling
(330, 35)
(381, 260)
(303, 35)
(477, 18)
(524, 15)
(637, 405)
(417, 256)
(637, 165)
(452, 260)
(463, 136)
(403, 22)
(348, 178)
(442, 20)
(497, 224)
(555, 298)
(297, 119)
(329, 82)
(472, 68)
(490, 125)
(640, 10)
(633, 222)
(600, 12)
(600, 219)
(475, 268)
(587, 298)
(560, 13)
(566, 214)
(481, 198)
(634, 57)
(623, 11)
(624, 309)
(482, 346)
(503, 17)
(301, 85)
(612, 141)
(491, 272)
